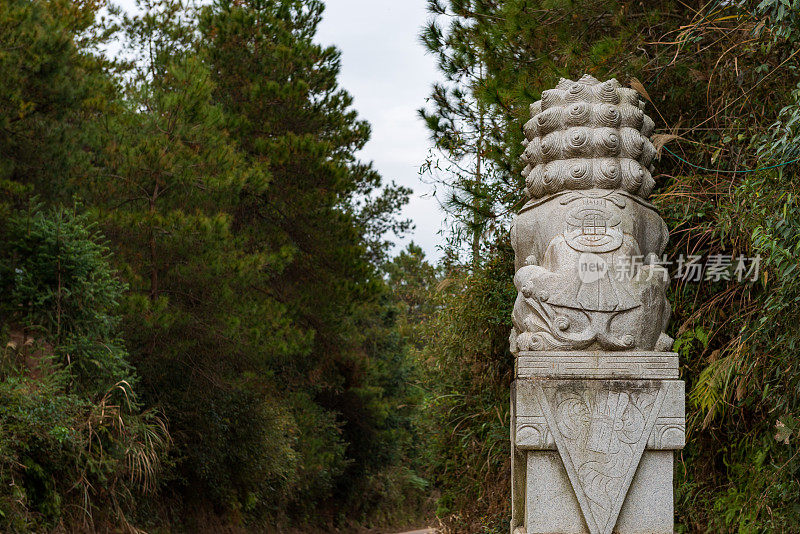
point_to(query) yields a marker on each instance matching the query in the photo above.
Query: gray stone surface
(596, 407)
(649, 508)
(581, 364)
(531, 429)
(595, 456)
(587, 243)
(551, 506)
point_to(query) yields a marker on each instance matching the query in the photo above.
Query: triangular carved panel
(600, 430)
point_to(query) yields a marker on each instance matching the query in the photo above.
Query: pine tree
(76, 449)
(326, 210)
(53, 82)
(465, 130)
(200, 332)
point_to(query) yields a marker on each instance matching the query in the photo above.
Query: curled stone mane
(588, 134)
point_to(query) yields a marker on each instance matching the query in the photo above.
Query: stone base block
(595, 456)
(551, 506)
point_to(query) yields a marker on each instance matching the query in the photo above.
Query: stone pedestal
(597, 407)
(593, 436)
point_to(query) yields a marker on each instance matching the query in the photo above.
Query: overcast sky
(386, 70)
(389, 74)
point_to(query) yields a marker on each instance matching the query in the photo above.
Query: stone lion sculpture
(587, 244)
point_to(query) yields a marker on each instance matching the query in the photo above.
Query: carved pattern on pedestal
(669, 433)
(600, 433)
(532, 432)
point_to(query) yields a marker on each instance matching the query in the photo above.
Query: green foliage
(58, 283)
(715, 74)
(75, 447)
(411, 279)
(50, 82)
(326, 213)
(168, 183)
(784, 17)
(468, 373)
(247, 241)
